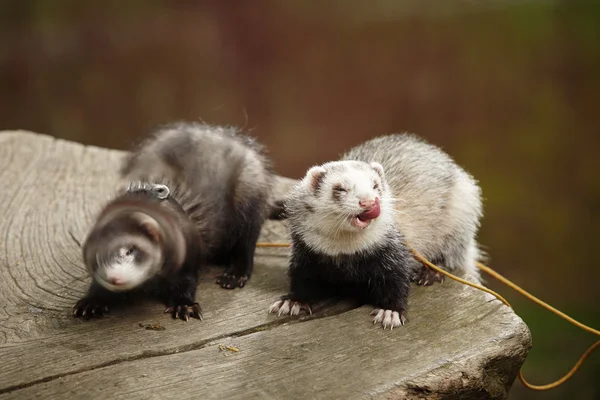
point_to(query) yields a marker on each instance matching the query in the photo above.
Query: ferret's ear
(314, 177)
(151, 229)
(148, 225)
(378, 168)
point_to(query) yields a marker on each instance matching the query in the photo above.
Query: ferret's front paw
(428, 277)
(390, 318)
(282, 307)
(230, 280)
(89, 307)
(185, 309)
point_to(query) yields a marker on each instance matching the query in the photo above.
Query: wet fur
(220, 183)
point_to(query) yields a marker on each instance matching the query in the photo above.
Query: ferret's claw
(230, 280)
(197, 311)
(428, 276)
(87, 308)
(185, 310)
(285, 308)
(275, 306)
(388, 318)
(282, 307)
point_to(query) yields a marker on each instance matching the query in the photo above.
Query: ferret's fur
(426, 201)
(218, 183)
(438, 204)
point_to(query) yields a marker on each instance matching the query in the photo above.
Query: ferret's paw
(428, 276)
(282, 307)
(230, 280)
(90, 307)
(390, 318)
(184, 309)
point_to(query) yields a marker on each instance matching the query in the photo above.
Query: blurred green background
(511, 89)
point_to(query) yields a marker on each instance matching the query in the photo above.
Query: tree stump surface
(458, 343)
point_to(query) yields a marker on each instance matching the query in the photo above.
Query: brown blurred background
(511, 89)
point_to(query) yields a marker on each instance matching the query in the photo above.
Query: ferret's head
(346, 196)
(124, 250)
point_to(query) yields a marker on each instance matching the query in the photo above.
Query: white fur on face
(120, 269)
(325, 204)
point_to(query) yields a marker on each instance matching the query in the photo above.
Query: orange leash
(515, 287)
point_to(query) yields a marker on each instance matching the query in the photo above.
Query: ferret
(195, 194)
(351, 222)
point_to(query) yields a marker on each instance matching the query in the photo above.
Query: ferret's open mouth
(364, 219)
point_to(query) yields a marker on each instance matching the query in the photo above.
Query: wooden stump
(457, 344)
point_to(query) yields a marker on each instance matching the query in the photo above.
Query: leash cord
(515, 287)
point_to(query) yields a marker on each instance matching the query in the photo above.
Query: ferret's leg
(461, 259)
(277, 210)
(95, 303)
(424, 276)
(458, 258)
(181, 294)
(428, 276)
(242, 252)
(304, 292)
(389, 294)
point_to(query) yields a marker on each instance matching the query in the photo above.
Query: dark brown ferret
(196, 194)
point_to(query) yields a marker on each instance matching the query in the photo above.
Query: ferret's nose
(366, 203)
(115, 281)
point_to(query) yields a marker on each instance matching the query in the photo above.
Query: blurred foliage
(509, 88)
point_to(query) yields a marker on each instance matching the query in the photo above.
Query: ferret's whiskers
(337, 228)
(341, 223)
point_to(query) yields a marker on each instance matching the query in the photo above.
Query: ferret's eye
(340, 189)
(129, 251)
(375, 186)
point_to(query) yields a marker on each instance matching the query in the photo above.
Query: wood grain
(51, 191)
(56, 189)
(448, 347)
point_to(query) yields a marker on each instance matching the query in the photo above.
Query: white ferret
(350, 221)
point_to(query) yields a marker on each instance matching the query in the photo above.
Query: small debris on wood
(261, 328)
(233, 349)
(152, 327)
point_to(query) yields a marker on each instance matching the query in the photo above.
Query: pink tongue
(371, 214)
